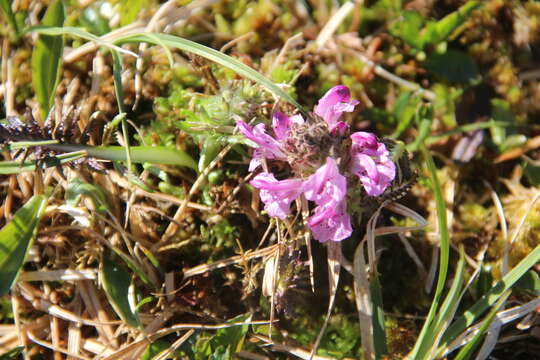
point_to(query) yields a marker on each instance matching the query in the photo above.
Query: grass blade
(490, 297)
(116, 282)
(16, 237)
(47, 59)
(139, 154)
(17, 167)
(445, 254)
(182, 44)
(467, 351)
(213, 55)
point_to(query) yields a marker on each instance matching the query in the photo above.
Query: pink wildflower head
(316, 150)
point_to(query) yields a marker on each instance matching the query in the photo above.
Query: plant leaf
(47, 59)
(77, 188)
(13, 354)
(16, 238)
(491, 297)
(116, 282)
(17, 167)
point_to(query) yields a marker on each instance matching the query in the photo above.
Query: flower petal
(336, 101)
(326, 184)
(268, 145)
(277, 195)
(371, 162)
(281, 124)
(330, 223)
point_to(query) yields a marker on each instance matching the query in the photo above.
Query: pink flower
(335, 102)
(277, 195)
(313, 148)
(371, 162)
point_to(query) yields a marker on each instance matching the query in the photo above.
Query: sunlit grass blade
(467, 350)
(119, 91)
(445, 314)
(16, 167)
(139, 154)
(76, 32)
(176, 42)
(47, 59)
(490, 298)
(116, 282)
(213, 55)
(16, 238)
(444, 257)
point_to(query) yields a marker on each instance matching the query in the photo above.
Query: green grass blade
(16, 238)
(17, 167)
(47, 59)
(473, 313)
(119, 91)
(445, 313)
(13, 354)
(77, 188)
(445, 254)
(176, 42)
(467, 351)
(213, 55)
(116, 282)
(139, 154)
(379, 334)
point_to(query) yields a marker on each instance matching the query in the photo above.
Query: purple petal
(277, 195)
(257, 134)
(336, 101)
(330, 223)
(364, 140)
(326, 184)
(281, 124)
(371, 162)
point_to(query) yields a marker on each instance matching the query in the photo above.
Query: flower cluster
(319, 151)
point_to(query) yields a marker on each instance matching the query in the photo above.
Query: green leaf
(135, 267)
(5, 6)
(467, 351)
(475, 311)
(408, 28)
(16, 238)
(210, 149)
(47, 59)
(13, 354)
(139, 154)
(182, 44)
(17, 167)
(77, 188)
(129, 9)
(94, 21)
(116, 282)
(453, 66)
(442, 29)
(530, 282)
(444, 259)
(154, 349)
